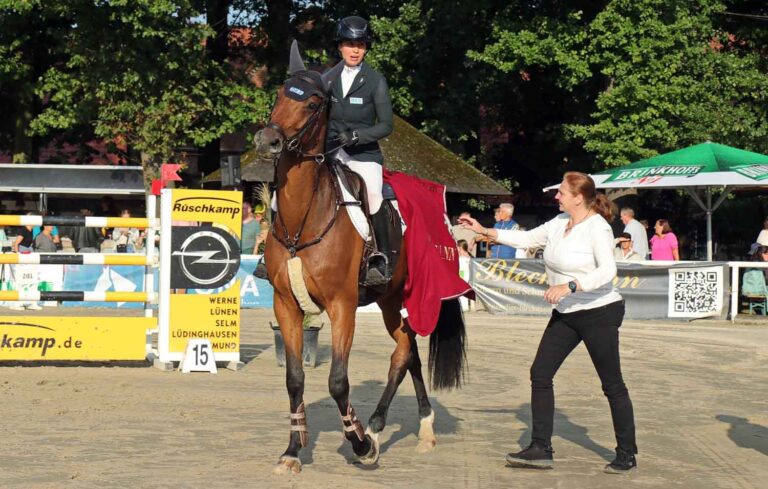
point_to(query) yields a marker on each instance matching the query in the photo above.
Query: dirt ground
(700, 392)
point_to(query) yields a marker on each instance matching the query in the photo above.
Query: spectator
(127, 240)
(664, 244)
(504, 222)
(85, 239)
(250, 231)
(459, 233)
(762, 238)
(54, 231)
(624, 251)
(463, 248)
(44, 241)
(261, 239)
(24, 242)
(637, 230)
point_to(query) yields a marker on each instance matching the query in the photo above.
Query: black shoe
(624, 463)
(261, 271)
(536, 456)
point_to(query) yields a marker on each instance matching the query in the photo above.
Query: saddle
(355, 185)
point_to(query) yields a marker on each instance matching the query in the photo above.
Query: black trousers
(599, 329)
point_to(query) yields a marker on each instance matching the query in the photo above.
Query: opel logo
(207, 259)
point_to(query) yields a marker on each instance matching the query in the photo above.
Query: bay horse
(312, 225)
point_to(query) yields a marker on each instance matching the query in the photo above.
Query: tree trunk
(217, 49)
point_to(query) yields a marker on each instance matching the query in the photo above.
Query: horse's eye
(313, 106)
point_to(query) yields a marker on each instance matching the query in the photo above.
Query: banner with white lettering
(688, 290)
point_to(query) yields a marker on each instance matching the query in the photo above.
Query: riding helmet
(353, 28)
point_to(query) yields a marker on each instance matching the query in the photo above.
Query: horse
(311, 226)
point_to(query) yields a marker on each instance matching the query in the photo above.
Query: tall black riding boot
(378, 270)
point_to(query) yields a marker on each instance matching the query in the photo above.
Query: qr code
(695, 292)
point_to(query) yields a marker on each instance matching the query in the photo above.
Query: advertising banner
(650, 292)
(73, 338)
(255, 293)
(31, 278)
(204, 248)
(104, 278)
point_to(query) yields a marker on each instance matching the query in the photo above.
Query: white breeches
(372, 174)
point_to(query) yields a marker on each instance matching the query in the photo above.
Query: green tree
(136, 70)
(646, 76)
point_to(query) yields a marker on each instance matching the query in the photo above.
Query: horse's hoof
(427, 440)
(426, 446)
(372, 456)
(287, 466)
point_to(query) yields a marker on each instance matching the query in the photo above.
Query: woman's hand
(472, 224)
(554, 294)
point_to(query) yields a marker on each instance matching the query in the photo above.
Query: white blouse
(584, 255)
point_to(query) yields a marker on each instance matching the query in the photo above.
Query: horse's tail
(447, 354)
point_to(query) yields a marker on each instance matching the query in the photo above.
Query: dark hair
(582, 184)
(665, 227)
(758, 256)
(462, 243)
(765, 223)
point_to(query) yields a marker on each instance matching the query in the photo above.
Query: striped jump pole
(75, 259)
(75, 296)
(86, 221)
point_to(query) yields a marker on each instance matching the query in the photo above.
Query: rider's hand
(347, 138)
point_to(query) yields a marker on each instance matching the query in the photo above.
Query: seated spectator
(24, 242)
(624, 250)
(753, 284)
(127, 240)
(44, 241)
(85, 239)
(54, 232)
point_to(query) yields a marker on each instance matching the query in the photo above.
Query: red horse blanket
(433, 259)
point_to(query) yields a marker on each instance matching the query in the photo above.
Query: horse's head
(299, 110)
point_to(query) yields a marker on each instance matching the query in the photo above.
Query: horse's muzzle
(268, 141)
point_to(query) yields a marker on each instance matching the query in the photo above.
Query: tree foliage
(668, 74)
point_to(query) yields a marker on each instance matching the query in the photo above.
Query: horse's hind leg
(289, 318)
(404, 358)
(342, 318)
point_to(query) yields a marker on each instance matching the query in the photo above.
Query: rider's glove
(347, 138)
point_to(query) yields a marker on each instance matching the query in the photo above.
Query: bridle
(294, 144)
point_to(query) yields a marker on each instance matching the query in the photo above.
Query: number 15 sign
(198, 357)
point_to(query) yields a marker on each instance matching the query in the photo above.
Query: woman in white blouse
(578, 255)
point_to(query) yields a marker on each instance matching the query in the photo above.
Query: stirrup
(373, 275)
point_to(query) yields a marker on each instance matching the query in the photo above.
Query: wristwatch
(572, 286)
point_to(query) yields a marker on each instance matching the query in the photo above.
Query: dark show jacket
(366, 109)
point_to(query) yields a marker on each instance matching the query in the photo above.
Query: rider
(361, 114)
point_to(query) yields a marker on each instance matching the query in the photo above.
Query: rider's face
(352, 52)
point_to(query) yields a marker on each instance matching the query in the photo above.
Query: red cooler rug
(433, 259)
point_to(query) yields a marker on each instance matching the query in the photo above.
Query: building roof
(407, 150)
(72, 179)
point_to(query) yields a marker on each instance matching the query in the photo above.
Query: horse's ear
(296, 64)
(331, 75)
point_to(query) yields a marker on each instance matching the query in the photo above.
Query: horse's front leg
(342, 318)
(289, 317)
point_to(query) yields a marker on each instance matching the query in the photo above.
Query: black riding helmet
(354, 28)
